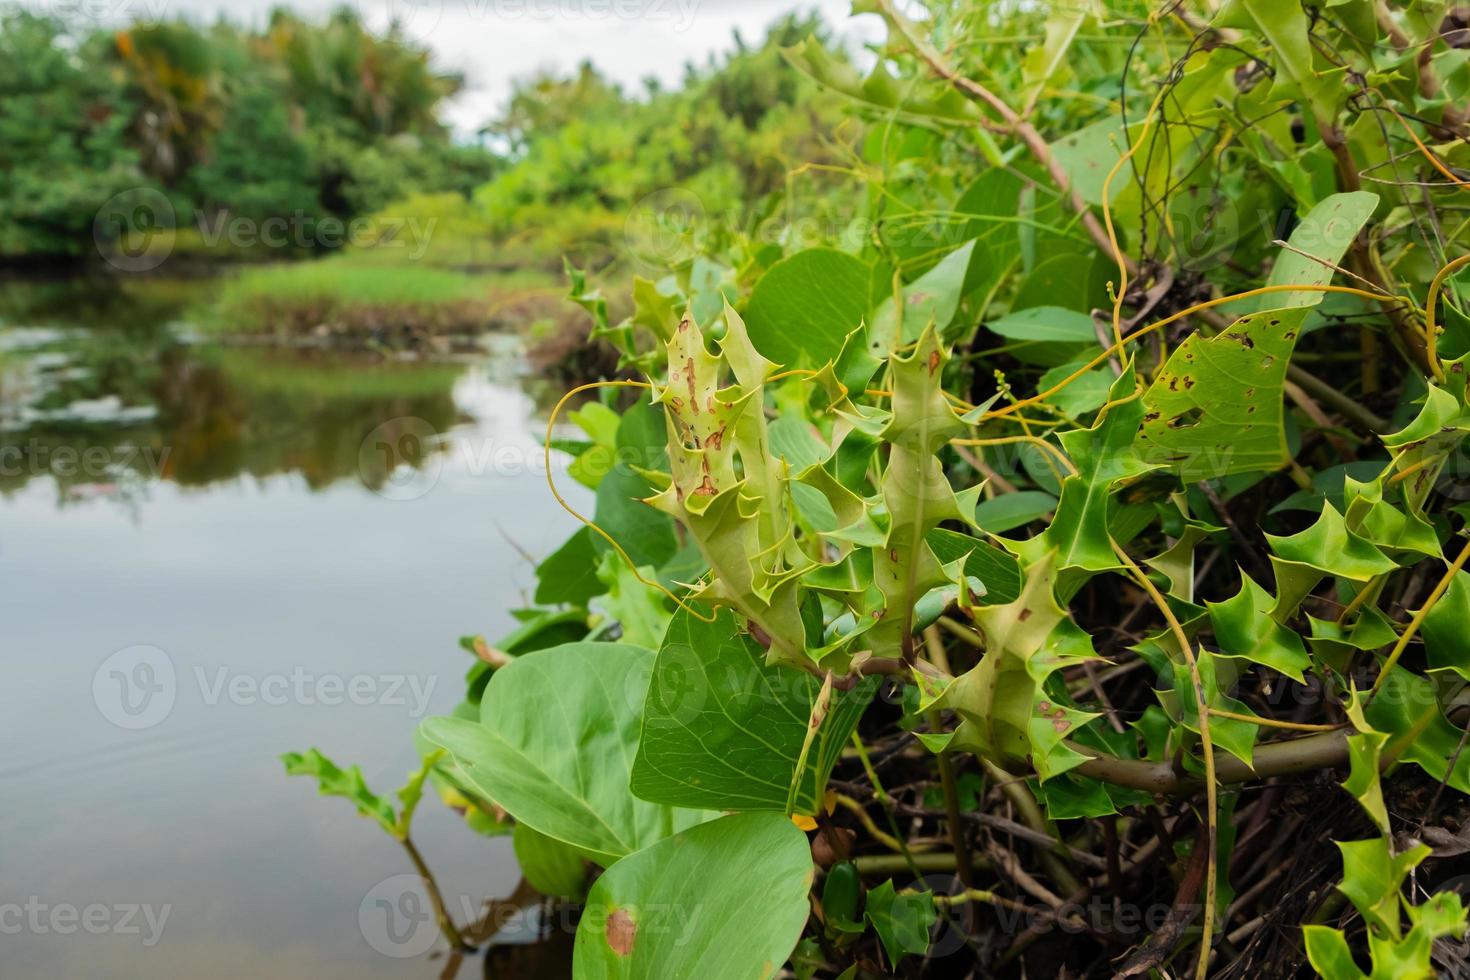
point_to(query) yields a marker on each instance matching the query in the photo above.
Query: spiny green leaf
(1364, 752)
(1244, 628)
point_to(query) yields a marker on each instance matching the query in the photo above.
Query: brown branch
(1013, 121)
(1322, 751)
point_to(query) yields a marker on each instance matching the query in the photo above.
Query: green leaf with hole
(553, 747)
(1217, 407)
(726, 900)
(723, 731)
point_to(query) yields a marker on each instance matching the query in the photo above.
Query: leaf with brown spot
(622, 932)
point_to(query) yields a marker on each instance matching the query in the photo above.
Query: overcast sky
(495, 41)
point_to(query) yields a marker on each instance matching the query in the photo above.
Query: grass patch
(341, 298)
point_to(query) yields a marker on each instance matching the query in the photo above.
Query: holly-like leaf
(1244, 628)
(1446, 628)
(1103, 456)
(1364, 752)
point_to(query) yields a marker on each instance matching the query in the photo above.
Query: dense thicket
(298, 120)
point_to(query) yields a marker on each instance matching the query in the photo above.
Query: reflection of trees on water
(126, 394)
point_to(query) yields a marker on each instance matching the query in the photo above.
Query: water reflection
(133, 396)
(231, 507)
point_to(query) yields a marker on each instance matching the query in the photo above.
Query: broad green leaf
(640, 611)
(1285, 25)
(552, 867)
(1045, 64)
(601, 425)
(1217, 408)
(1087, 154)
(554, 747)
(929, 300)
(1012, 510)
(794, 440)
(803, 308)
(1046, 323)
(1244, 628)
(1324, 235)
(902, 921)
(645, 534)
(997, 570)
(1082, 395)
(569, 574)
(726, 900)
(723, 731)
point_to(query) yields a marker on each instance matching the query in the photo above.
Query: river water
(210, 555)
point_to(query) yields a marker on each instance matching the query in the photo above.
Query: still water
(206, 559)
